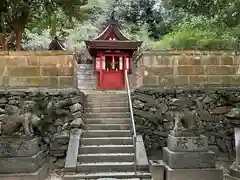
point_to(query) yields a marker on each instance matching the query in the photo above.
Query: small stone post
(235, 168)
(237, 144)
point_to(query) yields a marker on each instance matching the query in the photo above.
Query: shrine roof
(112, 44)
(112, 38)
(112, 27)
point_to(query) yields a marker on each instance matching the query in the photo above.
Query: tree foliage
(226, 11)
(140, 12)
(165, 24)
(17, 14)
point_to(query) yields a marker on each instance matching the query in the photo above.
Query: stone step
(106, 98)
(86, 78)
(86, 86)
(106, 157)
(97, 92)
(83, 76)
(106, 167)
(107, 149)
(107, 133)
(107, 126)
(82, 71)
(108, 115)
(107, 121)
(85, 72)
(107, 140)
(80, 87)
(85, 66)
(88, 91)
(107, 104)
(115, 175)
(108, 109)
(92, 96)
(87, 82)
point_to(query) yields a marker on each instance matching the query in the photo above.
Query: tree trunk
(9, 38)
(19, 40)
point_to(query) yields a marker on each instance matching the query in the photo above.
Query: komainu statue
(184, 125)
(25, 118)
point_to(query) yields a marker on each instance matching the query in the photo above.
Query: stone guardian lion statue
(21, 118)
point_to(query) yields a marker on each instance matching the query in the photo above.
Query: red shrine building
(112, 53)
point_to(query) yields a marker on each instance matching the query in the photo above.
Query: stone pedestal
(188, 158)
(23, 158)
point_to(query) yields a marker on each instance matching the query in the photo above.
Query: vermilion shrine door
(112, 73)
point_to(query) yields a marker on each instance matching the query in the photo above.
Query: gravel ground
(55, 174)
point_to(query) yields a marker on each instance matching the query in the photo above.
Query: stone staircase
(86, 78)
(106, 147)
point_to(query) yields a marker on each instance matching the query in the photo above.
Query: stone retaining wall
(167, 69)
(60, 109)
(155, 109)
(38, 69)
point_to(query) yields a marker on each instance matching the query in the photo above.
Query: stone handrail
(72, 152)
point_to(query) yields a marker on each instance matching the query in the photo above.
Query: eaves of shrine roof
(113, 44)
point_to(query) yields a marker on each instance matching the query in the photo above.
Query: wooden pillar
(113, 62)
(124, 63)
(124, 70)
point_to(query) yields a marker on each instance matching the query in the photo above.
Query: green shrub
(200, 34)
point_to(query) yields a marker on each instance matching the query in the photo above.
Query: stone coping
(139, 54)
(18, 137)
(187, 52)
(181, 89)
(37, 89)
(152, 52)
(35, 53)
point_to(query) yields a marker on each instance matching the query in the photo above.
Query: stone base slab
(194, 143)
(40, 174)
(18, 146)
(193, 174)
(157, 169)
(191, 160)
(23, 164)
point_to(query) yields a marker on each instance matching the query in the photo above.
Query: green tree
(141, 12)
(17, 14)
(226, 11)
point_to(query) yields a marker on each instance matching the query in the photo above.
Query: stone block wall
(200, 84)
(187, 69)
(38, 69)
